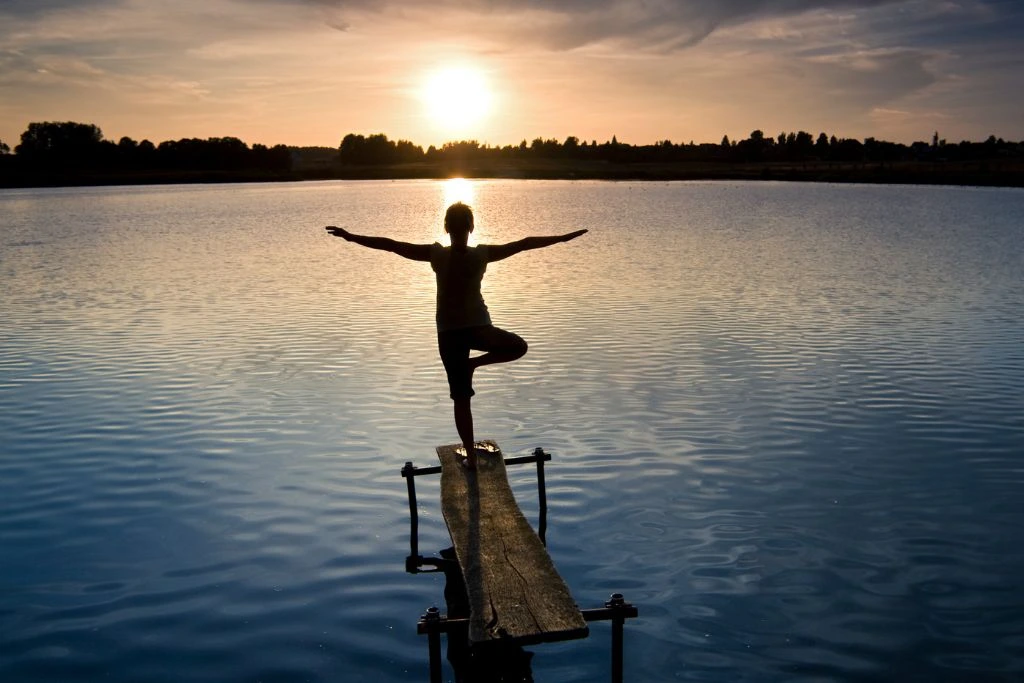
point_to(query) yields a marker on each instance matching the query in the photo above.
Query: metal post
(414, 521)
(432, 621)
(616, 603)
(542, 496)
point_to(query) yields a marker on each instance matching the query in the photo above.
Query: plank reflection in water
(499, 661)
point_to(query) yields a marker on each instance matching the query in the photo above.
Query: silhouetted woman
(463, 323)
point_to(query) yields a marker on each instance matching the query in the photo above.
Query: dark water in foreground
(785, 419)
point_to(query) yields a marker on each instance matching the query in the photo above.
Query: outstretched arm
(416, 252)
(498, 252)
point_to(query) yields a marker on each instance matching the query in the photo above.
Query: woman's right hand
(339, 232)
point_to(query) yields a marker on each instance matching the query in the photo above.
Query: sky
(308, 72)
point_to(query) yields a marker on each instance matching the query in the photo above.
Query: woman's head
(458, 222)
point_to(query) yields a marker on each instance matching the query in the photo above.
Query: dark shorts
(455, 345)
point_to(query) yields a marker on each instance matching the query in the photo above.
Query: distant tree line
(58, 152)
(786, 147)
(69, 147)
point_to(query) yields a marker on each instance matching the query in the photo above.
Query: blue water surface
(786, 422)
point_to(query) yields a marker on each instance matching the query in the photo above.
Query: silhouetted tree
(66, 143)
(377, 149)
(407, 152)
(356, 149)
(460, 152)
(380, 150)
(69, 149)
(127, 153)
(146, 153)
(848, 150)
(804, 144)
(276, 158)
(882, 151)
(751, 149)
(821, 147)
(548, 148)
(212, 154)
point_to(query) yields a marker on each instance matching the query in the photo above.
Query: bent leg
(498, 345)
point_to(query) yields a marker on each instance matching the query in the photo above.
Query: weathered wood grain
(514, 590)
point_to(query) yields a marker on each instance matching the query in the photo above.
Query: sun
(457, 98)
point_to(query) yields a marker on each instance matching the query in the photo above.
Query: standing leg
(454, 349)
(464, 425)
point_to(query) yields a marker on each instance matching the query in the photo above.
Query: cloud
(33, 8)
(873, 77)
(568, 24)
(668, 68)
(514, 25)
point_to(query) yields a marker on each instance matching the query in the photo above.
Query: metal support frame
(416, 563)
(616, 609)
(433, 623)
(542, 494)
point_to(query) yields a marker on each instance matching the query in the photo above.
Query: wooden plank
(514, 590)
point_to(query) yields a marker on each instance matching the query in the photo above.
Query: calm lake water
(786, 422)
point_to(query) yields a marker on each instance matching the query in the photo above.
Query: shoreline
(975, 173)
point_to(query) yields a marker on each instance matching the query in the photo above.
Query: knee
(462, 400)
(520, 347)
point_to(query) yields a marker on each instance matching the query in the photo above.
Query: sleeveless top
(459, 273)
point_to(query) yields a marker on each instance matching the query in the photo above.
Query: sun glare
(457, 98)
(457, 190)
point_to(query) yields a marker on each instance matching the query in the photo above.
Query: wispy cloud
(568, 24)
(642, 69)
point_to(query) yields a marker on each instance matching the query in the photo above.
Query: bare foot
(467, 461)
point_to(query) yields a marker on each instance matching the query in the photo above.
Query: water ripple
(785, 421)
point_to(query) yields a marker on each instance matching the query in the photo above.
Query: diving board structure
(514, 591)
